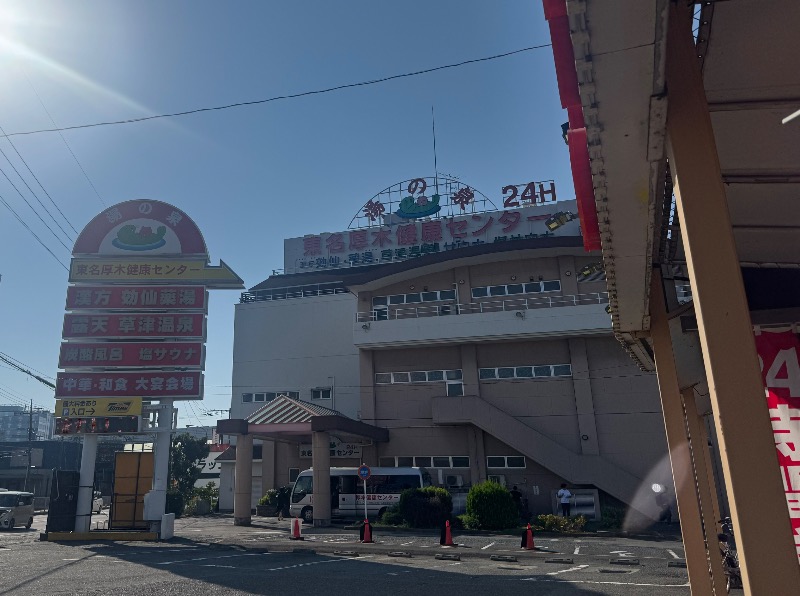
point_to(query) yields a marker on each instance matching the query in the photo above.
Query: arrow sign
(154, 270)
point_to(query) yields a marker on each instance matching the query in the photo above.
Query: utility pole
(30, 439)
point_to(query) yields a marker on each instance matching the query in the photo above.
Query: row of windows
(425, 461)
(534, 287)
(248, 398)
(505, 461)
(455, 461)
(417, 376)
(526, 372)
(414, 298)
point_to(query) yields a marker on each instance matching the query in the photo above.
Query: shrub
(491, 507)
(465, 522)
(392, 517)
(270, 497)
(175, 502)
(612, 517)
(425, 507)
(209, 492)
(556, 523)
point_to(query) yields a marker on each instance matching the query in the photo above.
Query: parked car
(16, 509)
(97, 502)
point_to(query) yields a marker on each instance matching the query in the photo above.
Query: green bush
(209, 492)
(425, 507)
(465, 522)
(175, 502)
(392, 517)
(612, 517)
(556, 523)
(491, 507)
(270, 497)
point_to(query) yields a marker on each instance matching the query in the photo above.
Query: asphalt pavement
(211, 554)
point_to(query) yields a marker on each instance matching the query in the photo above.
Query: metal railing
(289, 293)
(452, 308)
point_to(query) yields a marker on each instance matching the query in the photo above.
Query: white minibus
(347, 491)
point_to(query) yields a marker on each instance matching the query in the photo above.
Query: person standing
(564, 497)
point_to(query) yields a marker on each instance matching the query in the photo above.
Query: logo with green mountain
(143, 238)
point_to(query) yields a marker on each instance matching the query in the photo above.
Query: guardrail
(288, 293)
(452, 308)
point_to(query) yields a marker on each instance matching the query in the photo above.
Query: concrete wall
(296, 344)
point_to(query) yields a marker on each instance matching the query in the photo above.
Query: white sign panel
(338, 449)
(417, 237)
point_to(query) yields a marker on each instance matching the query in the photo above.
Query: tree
(185, 457)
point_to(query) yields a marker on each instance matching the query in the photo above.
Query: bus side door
(347, 497)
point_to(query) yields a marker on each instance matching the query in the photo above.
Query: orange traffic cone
(527, 539)
(297, 532)
(448, 537)
(367, 537)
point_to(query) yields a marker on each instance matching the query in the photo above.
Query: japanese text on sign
(144, 384)
(183, 354)
(133, 325)
(140, 297)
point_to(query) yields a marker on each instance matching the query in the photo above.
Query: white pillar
(321, 460)
(155, 501)
(243, 481)
(83, 515)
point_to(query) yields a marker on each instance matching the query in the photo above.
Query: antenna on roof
(435, 166)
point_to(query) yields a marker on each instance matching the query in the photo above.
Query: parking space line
(208, 558)
(576, 568)
(577, 550)
(488, 545)
(672, 552)
(406, 543)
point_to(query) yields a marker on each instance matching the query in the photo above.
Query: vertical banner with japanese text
(780, 371)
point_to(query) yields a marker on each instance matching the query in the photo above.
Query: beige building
(492, 361)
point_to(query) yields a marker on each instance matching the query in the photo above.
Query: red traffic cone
(297, 533)
(448, 536)
(367, 538)
(527, 539)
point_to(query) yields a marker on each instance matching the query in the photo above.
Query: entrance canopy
(289, 420)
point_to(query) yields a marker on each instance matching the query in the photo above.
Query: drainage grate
(442, 557)
(564, 560)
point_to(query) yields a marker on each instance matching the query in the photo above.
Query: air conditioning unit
(498, 478)
(454, 480)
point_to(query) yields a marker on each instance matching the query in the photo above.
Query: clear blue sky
(251, 176)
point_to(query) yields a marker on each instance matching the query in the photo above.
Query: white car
(97, 503)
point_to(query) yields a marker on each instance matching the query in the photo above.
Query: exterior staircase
(576, 468)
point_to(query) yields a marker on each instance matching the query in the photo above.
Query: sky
(248, 176)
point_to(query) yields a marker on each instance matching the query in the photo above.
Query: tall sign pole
(134, 330)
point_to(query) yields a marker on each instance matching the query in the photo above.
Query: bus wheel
(381, 512)
(307, 514)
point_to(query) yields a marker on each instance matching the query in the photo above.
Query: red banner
(137, 297)
(780, 371)
(134, 325)
(113, 354)
(146, 384)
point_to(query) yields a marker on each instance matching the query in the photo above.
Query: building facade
(486, 360)
(19, 424)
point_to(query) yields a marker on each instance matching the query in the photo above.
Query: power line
(39, 240)
(72, 153)
(22, 369)
(35, 196)
(279, 97)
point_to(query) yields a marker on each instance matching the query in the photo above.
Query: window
(562, 370)
(447, 295)
(417, 376)
(262, 397)
(455, 389)
(534, 287)
(379, 301)
(525, 372)
(460, 462)
(397, 299)
(422, 462)
(302, 487)
(386, 462)
(480, 292)
(405, 462)
(515, 289)
(497, 291)
(413, 298)
(430, 296)
(247, 398)
(321, 393)
(441, 462)
(551, 286)
(293, 474)
(425, 461)
(505, 461)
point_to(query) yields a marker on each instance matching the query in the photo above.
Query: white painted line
(576, 568)
(577, 550)
(672, 552)
(70, 559)
(271, 532)
(407, 543)
(488, 545)
(587, 581)
(209, 558)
